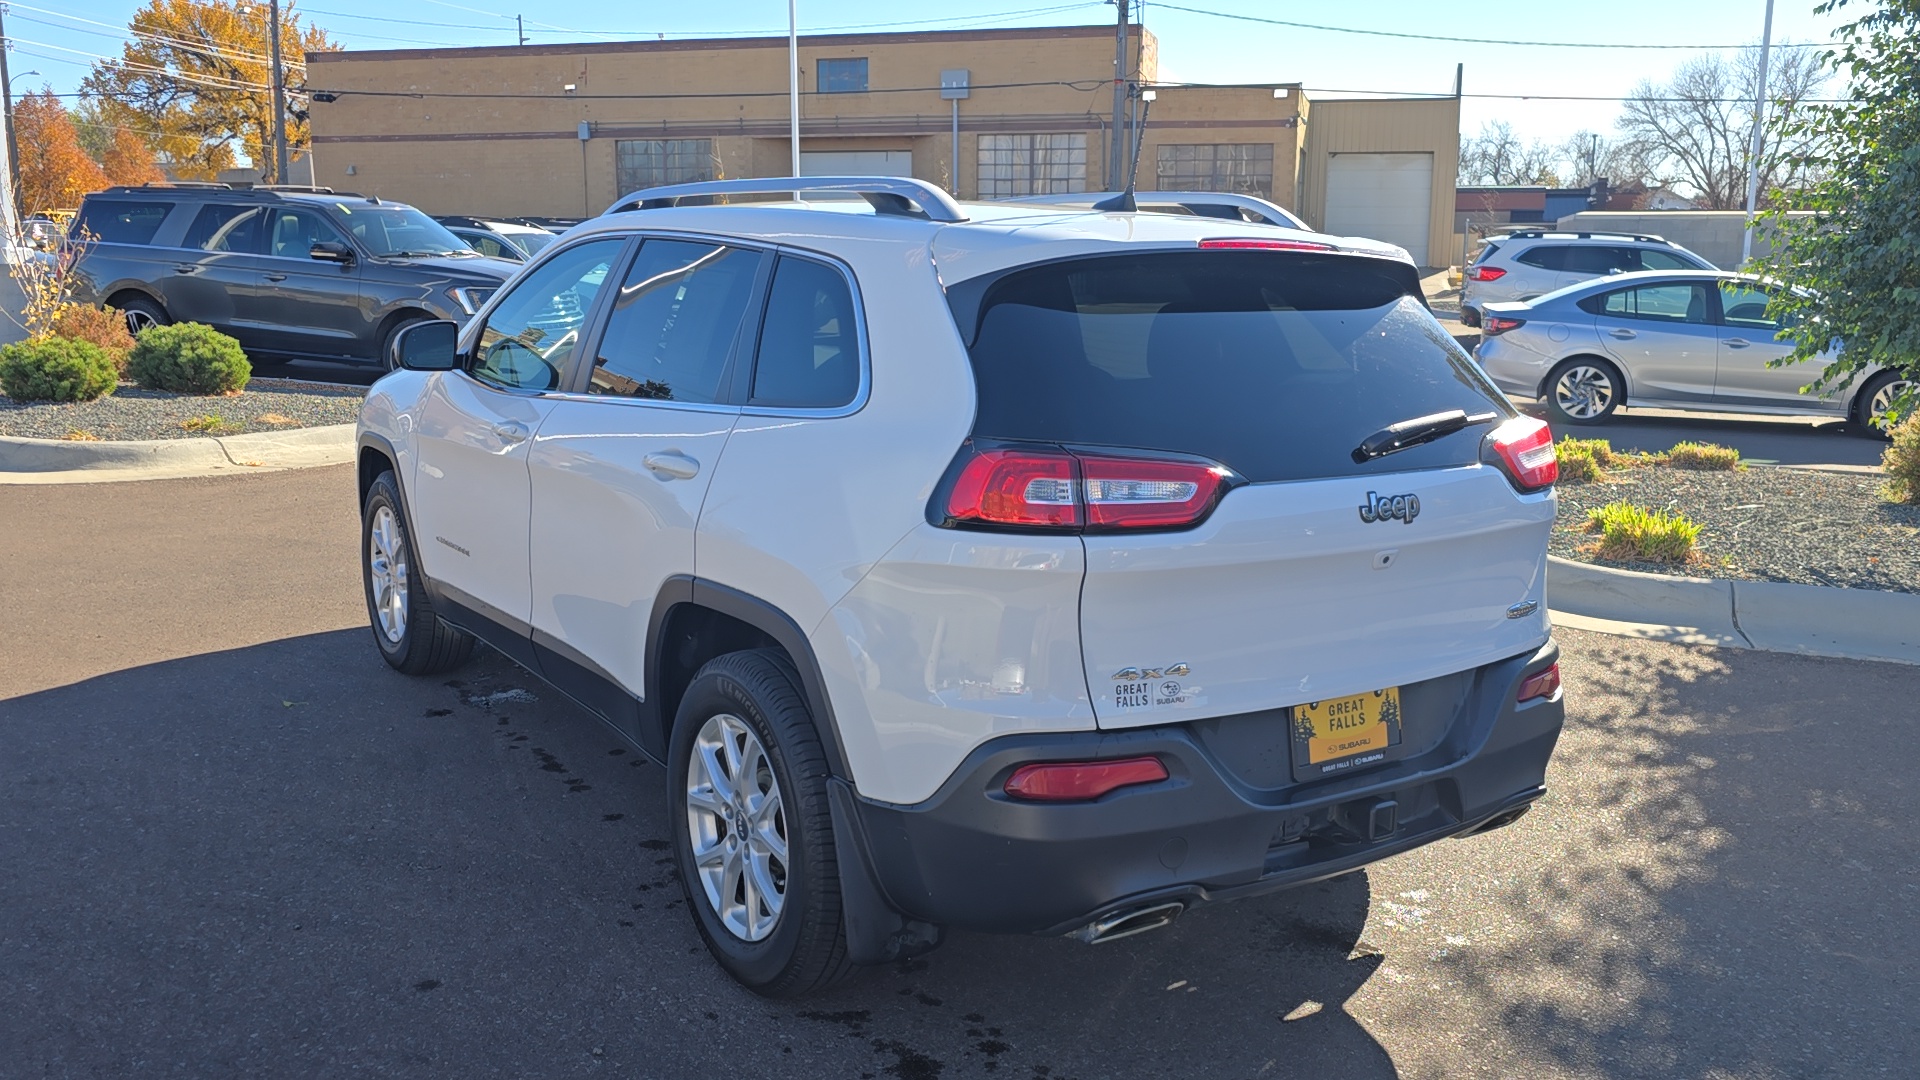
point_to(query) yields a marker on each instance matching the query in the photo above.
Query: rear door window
(1275, 365)
(1600, 259)
(114, 221)
(221, 227)
(1673, 303)
(1664, 260)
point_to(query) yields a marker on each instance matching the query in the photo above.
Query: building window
(843, 76)
(1236, 168)
(1032, 165)
(645, 163)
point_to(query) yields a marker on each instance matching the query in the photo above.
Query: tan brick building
(563, 130)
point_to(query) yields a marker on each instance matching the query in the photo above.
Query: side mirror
(426, 346)
(330, 251)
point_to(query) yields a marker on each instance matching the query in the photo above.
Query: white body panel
(607, 531)
(954, 638)
(470, 496)
(1285, 595)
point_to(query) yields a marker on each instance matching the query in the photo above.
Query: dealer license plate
(1345, 733)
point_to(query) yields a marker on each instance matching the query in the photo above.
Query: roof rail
(214, 185)
(1535, 234)
(305, 189)
(893, 195)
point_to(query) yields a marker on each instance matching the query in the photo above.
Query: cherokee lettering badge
(1385, 507)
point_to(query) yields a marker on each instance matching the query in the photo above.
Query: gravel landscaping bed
(133, 413)
(1763, 524)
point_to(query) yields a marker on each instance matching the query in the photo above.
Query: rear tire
(1875, 397)
(752, 832)
(1469, 318)
(412, 639)
(1583, 390)
(142, 314)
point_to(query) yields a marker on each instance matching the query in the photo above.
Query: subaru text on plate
(1012, 568)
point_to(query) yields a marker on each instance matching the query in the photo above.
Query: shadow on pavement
(287, 860)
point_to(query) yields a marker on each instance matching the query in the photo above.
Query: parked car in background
(1021, 569)
(508, 240)
(1219, 205)
(303, 273)
(1527, 263)
(42, 233)
(1690, 339)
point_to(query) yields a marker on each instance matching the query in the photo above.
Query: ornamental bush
(1902, 462)
(107, 329)
(188, 358)
(56, 369)
(1634, 532)
(1582, 459)
(1708, 457)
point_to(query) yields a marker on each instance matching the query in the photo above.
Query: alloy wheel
(387, 565)
(738, 825)
(1583, 392)
(1883, 400)
(139, 320)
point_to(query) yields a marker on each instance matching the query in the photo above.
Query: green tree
(1856, 262)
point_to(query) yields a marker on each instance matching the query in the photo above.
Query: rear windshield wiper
(1421, 429)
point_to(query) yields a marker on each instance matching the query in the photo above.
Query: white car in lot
(1012, 568)
(1526, 263)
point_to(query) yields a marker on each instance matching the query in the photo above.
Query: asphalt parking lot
(236, 844)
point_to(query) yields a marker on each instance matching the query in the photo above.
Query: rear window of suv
(1275, 365)
(116, 221)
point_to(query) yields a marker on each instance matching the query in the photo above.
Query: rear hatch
(1208, 406)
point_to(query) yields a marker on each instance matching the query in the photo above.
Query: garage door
(856, 163)
(1383, 196)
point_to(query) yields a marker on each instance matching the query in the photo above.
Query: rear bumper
(1515, 370)
(971, 857)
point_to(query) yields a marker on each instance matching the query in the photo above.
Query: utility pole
(793, 80)
(1116, 142)
(279, 94)
(1753, 150)
(520, 29)
(7, 218)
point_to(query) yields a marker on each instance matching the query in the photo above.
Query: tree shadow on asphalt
(1720, 908)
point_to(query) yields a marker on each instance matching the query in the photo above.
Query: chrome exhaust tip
(1128, 922)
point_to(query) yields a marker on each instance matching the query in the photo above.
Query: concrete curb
(1856, 624)
(58, 461)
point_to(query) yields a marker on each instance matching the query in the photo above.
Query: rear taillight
(1247, 243)
(1499, 324)
(1524, 446)
(1540, 684)
(1486, 273)
(1081, 781)
(1051, 488)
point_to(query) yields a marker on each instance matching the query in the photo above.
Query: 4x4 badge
(1135, 674)
(1386, 507)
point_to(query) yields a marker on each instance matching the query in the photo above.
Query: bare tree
(1496, 156)
(1694, 133)
(1589, 156)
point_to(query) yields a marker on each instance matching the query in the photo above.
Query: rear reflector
(1081, 781)
(1540, 684)
(1524, 447)
(1246, 243)
(1050, 488)
(1486, 273)
(1499, 324)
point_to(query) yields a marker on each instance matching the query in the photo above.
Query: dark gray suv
(303, 273)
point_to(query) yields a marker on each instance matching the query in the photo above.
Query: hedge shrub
(1902, 461)
(107, 329)
(188, 358)
(1635, 532)
(56, 369)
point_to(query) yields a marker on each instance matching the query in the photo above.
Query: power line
(1468, 40)
(210, 48)
(214, 82)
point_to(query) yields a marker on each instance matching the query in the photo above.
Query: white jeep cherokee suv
(988, 566)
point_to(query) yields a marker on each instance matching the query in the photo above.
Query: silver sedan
(1683, 339)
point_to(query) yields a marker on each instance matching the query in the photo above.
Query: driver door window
(294, 232)
(532, 333)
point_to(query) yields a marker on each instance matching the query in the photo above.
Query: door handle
(1623, 334)
(1736, 343)
(276, 277)
(510, 431)
(671, 465)
(186, 269)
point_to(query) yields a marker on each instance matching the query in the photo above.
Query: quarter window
(1240, 168)
(809, 346)
(1658, 303)
(532, 332)
(116, 222)
(674, 322)
(845, 76)
(1546, 257)
(226, 228)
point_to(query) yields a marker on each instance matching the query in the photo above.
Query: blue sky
(1193, 47)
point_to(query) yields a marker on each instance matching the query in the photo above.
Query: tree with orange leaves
(129, 161)
(58, 171)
